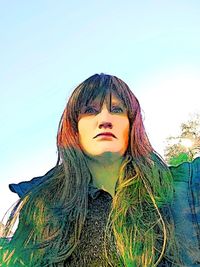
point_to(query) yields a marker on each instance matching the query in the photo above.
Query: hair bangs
(98, 87)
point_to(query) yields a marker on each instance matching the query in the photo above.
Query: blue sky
(48, 47)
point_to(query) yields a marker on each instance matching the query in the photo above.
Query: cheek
(84, 131)
(82, 127)
(81, 131)
(125, 133)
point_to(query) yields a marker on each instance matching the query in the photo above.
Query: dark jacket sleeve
(186, 210)
(24, 187)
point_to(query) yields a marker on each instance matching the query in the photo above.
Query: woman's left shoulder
(187, 171)
(186, 178)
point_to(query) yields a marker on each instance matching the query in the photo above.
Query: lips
(106, 134)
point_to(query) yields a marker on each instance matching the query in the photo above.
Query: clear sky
(49, 47)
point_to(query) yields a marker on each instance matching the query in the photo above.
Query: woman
(107, 201)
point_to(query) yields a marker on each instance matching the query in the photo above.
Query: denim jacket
(185, 207)
(186, 210)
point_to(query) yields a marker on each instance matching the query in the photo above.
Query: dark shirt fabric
(186, 212)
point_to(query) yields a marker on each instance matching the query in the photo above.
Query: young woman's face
(104, 130)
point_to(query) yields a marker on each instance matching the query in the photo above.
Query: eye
(117, 109)
(90, 110)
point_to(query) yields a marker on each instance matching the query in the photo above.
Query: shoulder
(186, 178)
(186, 171)
(24, 187)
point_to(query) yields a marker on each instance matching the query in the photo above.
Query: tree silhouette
(186, 146)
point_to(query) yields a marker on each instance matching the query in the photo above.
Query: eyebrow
(117, 103)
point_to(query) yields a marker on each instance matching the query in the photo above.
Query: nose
(105, 125)
(104, 119)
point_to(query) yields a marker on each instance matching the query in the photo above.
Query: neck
(105, 170)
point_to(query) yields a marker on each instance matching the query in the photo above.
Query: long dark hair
(52, 215)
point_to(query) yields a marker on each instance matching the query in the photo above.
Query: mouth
(106, 134)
